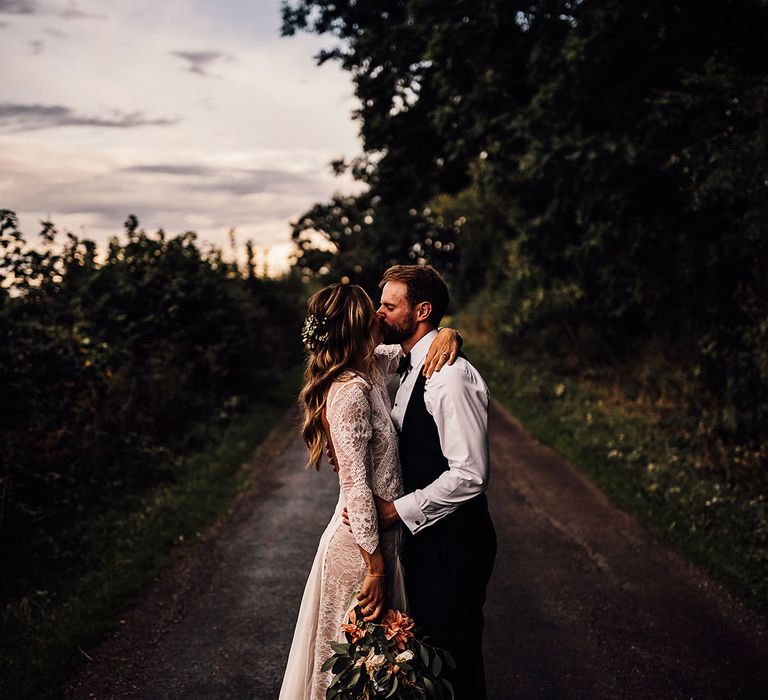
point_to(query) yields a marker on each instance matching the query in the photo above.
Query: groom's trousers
(447, 569)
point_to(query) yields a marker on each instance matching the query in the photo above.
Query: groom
(450, 543)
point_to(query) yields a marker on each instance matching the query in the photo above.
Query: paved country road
(584, 603)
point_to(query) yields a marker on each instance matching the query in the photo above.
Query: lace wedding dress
(365, 442)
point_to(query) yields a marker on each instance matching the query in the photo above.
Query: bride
(345, 405)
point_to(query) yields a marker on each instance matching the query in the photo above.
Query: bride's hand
(377, 331)
(371, 597)
(443, 350)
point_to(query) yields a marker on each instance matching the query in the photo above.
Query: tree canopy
(615, 149)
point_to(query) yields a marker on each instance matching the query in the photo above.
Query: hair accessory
(314, 333)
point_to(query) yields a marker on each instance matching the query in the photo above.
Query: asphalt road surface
(584, 602)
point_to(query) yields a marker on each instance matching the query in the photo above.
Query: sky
(190, 114)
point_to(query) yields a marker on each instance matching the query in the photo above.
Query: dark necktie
(404, 366)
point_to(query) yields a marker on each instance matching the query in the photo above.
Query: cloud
(257, 192)
(198, 62)
(18, 7)
(21, 117)
(169, 169)
(234, 181)
(37, 47)
(32, 7)
(74, 13)
(163, 193)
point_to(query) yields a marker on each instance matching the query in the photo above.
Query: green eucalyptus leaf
(437, 665)
(328, 665)
(355, 678)
(393, 689)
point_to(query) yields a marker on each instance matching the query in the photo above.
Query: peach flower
(399, 627)
(352, 629)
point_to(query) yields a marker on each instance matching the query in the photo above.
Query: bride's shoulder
(350, 377)
(348, 390)
(347, 383)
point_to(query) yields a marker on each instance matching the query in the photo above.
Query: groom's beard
(396, 334)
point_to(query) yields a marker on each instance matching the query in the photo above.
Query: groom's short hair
(422, 283)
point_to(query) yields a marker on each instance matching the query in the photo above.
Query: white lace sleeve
(388, 357)
(349, 417)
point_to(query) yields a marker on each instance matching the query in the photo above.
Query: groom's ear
(423, 311)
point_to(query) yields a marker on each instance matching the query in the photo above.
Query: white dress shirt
(457, 399)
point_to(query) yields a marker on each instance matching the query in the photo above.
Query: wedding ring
(444, 354)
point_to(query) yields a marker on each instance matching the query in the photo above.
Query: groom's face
(398, 319)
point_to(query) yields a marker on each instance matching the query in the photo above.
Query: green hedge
(636, 440)
(107, 357)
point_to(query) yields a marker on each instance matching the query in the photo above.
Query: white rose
(406, 655)
(374, 662)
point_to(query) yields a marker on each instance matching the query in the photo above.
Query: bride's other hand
(377, 331)
(371, 597)
(345, 519)
(329, 456)
(443, 350)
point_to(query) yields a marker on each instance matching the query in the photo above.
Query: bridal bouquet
(385, 660)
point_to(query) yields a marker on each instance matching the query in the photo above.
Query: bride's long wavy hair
(348, 317)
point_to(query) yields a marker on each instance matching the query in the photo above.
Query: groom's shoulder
(462, 374)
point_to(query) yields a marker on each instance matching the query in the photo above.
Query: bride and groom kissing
(411, 530)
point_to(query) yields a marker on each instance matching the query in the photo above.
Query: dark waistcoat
(422, 456)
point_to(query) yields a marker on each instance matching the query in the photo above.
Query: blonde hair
(348, 315)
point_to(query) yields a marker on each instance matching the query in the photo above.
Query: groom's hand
(388, 515)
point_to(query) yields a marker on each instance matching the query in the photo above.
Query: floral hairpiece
(314, 333)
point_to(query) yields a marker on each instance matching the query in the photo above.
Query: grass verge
(45, 632)
(644, 456)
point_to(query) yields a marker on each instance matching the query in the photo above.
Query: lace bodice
(365, 443)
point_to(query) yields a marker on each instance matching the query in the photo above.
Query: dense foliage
(600, 166)
(107, 359)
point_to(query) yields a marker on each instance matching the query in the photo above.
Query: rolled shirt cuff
(410, 512)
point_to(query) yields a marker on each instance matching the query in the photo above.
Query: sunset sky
(191, 114)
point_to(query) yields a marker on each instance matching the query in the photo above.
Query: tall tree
(619, 144)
